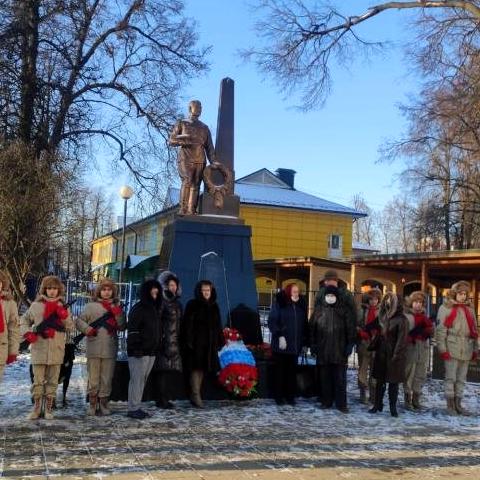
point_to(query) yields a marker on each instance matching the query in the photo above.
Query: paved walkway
(241, 440)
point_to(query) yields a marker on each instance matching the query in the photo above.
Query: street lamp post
(126, 193)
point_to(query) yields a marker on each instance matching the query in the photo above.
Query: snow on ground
(249, 439)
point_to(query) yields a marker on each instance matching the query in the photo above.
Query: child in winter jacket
(9, 325)
(457, 342)
(367, 327)
(100, 321)
(420, 329)
(44, 325)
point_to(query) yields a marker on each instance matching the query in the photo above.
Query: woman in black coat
(390, 348)
(201, 338)
(288, 325)
(333, 335)
(168, 359)
(143, 340)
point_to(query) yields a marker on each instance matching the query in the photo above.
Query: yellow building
(285, 222)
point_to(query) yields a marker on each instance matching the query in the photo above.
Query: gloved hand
(30, 337)
(91, 332)
(349, 349)
(11, 359)
(282, 343)
(474, 355)
(48, 333)
(446, 356)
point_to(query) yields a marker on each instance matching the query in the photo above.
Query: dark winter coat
(288, 319)
(144, 323)
(332, 333)
(201, 334)
(168, 356)
(390, 345)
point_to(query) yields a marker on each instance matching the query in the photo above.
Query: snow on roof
(364, 246)
(279, 197)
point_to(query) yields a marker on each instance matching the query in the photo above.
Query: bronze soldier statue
(195, 142)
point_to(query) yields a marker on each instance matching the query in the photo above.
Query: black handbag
(306, 378)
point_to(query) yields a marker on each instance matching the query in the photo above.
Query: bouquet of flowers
(238, 374)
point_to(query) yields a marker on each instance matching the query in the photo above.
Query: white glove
(282, 343)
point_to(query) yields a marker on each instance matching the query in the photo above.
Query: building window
(335, 245)
(335, 241)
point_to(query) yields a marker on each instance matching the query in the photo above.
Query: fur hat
(4, 280)
(330, 275)
(417, 296)
(461, 286)
(51, 281)
(106, 282)
(375, 293)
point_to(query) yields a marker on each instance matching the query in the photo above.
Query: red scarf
(468, 315)
(372, 314)
(50, 308)
(113, 311)
(2, 321)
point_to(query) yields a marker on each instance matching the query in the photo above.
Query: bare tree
(301, 41)
(363, 228)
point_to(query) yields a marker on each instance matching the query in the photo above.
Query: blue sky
(335, 149)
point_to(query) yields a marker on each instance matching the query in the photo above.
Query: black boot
(378, 403)
(393, 397)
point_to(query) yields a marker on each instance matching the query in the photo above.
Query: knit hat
(106, 282)
(330, 275)
(5, 281)
(51, 281)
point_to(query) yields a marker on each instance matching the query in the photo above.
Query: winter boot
(103, 404)
(363, 395)
(393, 398)
(196, 378)
(416, 401)
(458, 407)
(407, 397)
(92, 408)
(451, 406)
(37, 408)
(49, 401)
(378, 403)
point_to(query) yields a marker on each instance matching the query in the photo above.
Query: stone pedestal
(189, 238)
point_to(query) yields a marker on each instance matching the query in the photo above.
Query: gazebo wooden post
(475, 296)
(424, 281)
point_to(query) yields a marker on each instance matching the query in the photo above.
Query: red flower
(117, 310)
(62, 313)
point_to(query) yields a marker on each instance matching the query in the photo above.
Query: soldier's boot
(92, 407)
(408, 398)
(49, 401)
(104, 410)
(37, 408)
(458, 407)
(192, 201)
(451, 410)
(416, 401)
(196, 378)
(184, 197)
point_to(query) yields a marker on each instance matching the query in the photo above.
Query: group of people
(162, 338)
(391, 335)
(392, 339)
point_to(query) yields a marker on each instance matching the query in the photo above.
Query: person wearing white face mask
(288, 324)
(332, 339)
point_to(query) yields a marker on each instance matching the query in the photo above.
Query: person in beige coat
(457, 342)
(420, 330)
(47, 346)
(9, 325)
(367, 327)
(102, 343)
